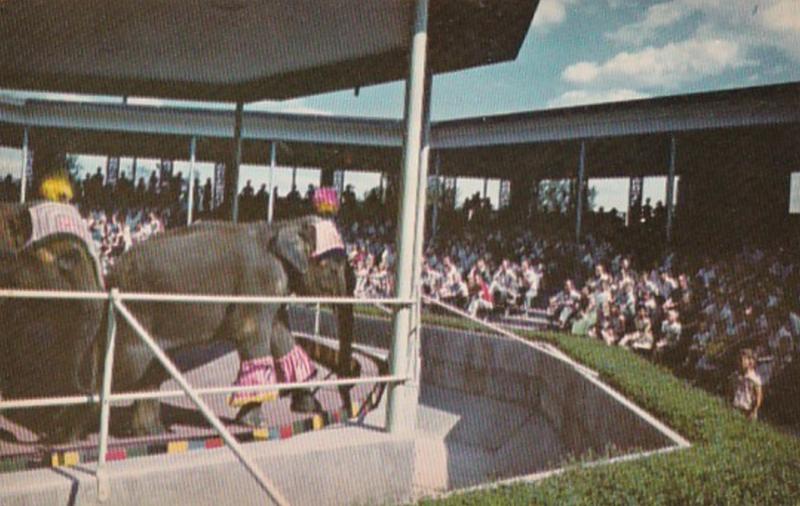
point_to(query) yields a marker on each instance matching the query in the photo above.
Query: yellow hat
(56, 188)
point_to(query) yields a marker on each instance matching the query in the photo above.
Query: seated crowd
(695, 317)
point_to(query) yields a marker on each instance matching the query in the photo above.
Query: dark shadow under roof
(241, 50)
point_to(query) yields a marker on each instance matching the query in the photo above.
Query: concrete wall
(337, 466)
(585, 416)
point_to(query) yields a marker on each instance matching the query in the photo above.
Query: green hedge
(732, 461)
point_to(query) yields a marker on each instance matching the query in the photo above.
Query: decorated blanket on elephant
(52, 218)
(328, 239)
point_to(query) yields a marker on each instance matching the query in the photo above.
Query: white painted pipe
(195, 298)
(103, 488)
(167, 394)
(206, 411)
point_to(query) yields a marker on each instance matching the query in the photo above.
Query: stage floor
(187, 428)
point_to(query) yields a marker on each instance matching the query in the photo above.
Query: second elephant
(303, 256)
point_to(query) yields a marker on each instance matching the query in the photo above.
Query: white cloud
(783, 16)
(656, 16)
(652, 67)
(550, 13)
(584, 97)
(749, 23)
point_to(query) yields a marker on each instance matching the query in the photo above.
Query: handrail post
(103, 486)
(205, 410)
(316, 320)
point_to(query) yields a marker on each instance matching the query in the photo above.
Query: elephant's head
(315, 254)
(43, 342)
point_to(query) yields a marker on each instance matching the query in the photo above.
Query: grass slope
(732, 461)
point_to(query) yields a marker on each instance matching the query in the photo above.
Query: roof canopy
(242, 50)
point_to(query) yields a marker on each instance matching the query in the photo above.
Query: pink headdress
(326, 200)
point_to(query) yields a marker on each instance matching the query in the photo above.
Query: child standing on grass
(748, 395)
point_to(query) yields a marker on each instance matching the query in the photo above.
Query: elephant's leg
(135, 368)
(72, 424)
(146, 413)
(292, 364)
(248, 328)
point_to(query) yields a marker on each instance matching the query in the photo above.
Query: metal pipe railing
(103, 488)
(206, 411)
(555, 353)
(106, 397)
(41, 402)
(196, 298)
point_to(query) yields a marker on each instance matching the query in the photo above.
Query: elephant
(303, 256)
(46, 246)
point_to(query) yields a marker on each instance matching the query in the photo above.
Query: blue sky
(592, 51)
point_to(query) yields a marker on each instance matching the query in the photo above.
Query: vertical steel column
(103, 486)
(439, 195)
(671, 186)
(23, 178)
(485, 186)
(273, 158)
(401, 412)
(415, 323)
(579, 191)
(190, 199)
(233, 178)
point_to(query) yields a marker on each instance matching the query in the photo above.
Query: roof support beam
(671, 187)
(190, 197)
(402, 399)
(579, 191)
(232, 171)
(23, 170)
(273, 160)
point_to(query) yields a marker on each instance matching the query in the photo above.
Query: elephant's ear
(294, 245)
(15, 227)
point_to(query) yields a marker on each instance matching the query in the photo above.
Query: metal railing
(116, 305)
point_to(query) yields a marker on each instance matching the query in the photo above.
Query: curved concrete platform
(187, 428)
(490, 409)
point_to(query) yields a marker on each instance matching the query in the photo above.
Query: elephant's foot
(250, 415)
(71, 426)
(304, 402)
(257, 371)
(64, 435)
(344, 393)
(146, 419)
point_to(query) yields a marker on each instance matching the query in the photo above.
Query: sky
(583, 52)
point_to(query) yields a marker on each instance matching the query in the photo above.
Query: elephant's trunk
(344, 320)
(89, 354)
(345, 324)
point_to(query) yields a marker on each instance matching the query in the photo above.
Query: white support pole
(237, 162)
(400, 415)
(671, 186)
(439, 194)
(317, 312)
(190, 199)
(103, 486)
(579, 191)
(273, 158)
(206, 411)
(419, 239)
(23, 178)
